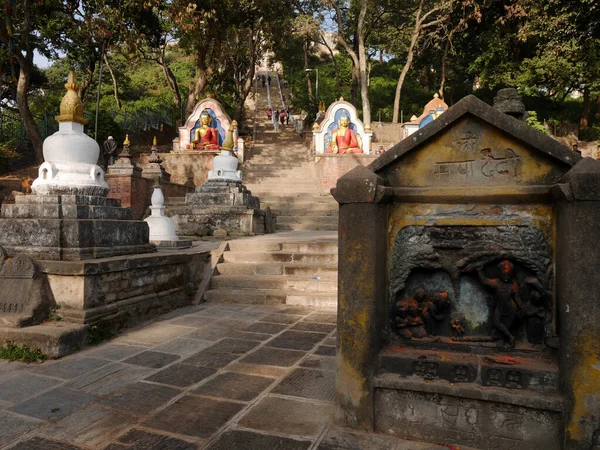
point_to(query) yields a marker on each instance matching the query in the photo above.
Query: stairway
(298, 268)
(280, 172)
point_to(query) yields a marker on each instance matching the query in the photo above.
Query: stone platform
(227, 377)
(71, 227)
(95, 297)
(219, 204)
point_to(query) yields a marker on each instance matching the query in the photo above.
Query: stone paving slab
(12, 426)
(54, 404)
(152, 359)
(142, 440)
(93, 426)
(288, 416)
(212, 360)
(235, 346)
(274, 357)
(337, 439)
(140, 398)
(115, 352)
(307, 383)
(296, 340)
(20, 386)
(183, 347)
(38, 443)
(319, 362)
(181, 375)
(267, 328)
(314, 326)
(325, 350)
(247, 440)
(234, 386)
(194, 416)
(109, 378)
(281, 318)
(68, 369)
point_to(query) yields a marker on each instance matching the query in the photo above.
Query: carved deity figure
(508, 300)
(344, 138)
(416, 317)
(205, 137)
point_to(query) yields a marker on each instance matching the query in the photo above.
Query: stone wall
(386, 132)
(125, 288)
(330, 167)
(135, 192)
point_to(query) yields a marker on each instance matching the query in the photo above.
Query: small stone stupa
(222, 203)
(68, 216)
(154, 169)
(162, 228)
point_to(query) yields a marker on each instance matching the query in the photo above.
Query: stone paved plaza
(214, 376)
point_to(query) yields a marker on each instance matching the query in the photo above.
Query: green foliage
(13, 352)
(53, 316)
(591, 133)
(533, 122)
(8, 154)
(99, 333)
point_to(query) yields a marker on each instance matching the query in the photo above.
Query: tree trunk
(338, 87)
(114, 80)
(402, 77)
(172, 83)
(354, 88)
(362, 61)
(195, 90)
(585, 115)
(444, 58)
(33, 134)
(307, 69)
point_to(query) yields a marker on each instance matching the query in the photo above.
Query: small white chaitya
(225, 165)
(161, 227)
(341, 131)
(66, 171)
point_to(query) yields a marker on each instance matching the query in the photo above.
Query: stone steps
(303, 284)
(308, 247)
(306, 227)
(325, 271)
(306, 220)
(279, 256)
(271, 296)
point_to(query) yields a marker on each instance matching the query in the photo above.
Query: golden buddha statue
(205, 137)
(344, 139)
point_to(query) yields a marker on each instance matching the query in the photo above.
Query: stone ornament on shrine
(65, 171)
(341, 131)
(154, 169)
(210, 115)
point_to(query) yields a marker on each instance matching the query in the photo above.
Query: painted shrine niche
(341, 131)
(205, 129)
(474, 285)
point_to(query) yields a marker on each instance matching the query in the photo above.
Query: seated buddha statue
(344, 139)
(205, 137)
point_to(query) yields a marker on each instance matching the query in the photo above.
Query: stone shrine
(69, 217)
(205, 129)
(341, 131)
(154, 170)
(431, 111)
(222, 203)
(467, 286)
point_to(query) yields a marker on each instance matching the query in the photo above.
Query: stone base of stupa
(71, 228)
(220, 205)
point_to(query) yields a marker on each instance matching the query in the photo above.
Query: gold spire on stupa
(71, 106)
(154, 142)
(126, 142)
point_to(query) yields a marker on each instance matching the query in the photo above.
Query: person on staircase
(276, 121)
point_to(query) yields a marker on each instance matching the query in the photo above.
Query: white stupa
(161, 227)
(70, 155)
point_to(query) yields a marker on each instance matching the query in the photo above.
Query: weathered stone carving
(497, 288)
(24, 298)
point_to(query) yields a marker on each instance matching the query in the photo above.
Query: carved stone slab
(24, 296)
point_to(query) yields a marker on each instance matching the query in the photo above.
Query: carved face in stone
(506, 270)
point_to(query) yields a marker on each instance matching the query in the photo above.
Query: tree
(20, 35)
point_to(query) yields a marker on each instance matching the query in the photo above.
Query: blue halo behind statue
(214, 123)
(333, 126)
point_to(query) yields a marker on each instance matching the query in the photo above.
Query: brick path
(214, 376)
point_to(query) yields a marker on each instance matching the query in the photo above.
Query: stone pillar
(362, 293)
(578, 294)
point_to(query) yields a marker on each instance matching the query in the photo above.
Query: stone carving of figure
(416, 317)
(205, 137)
(344, 139)
(508, 301)
(433, 310)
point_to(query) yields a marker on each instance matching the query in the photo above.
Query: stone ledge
(54, 339)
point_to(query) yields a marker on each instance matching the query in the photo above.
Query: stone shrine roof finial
(71, 106)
